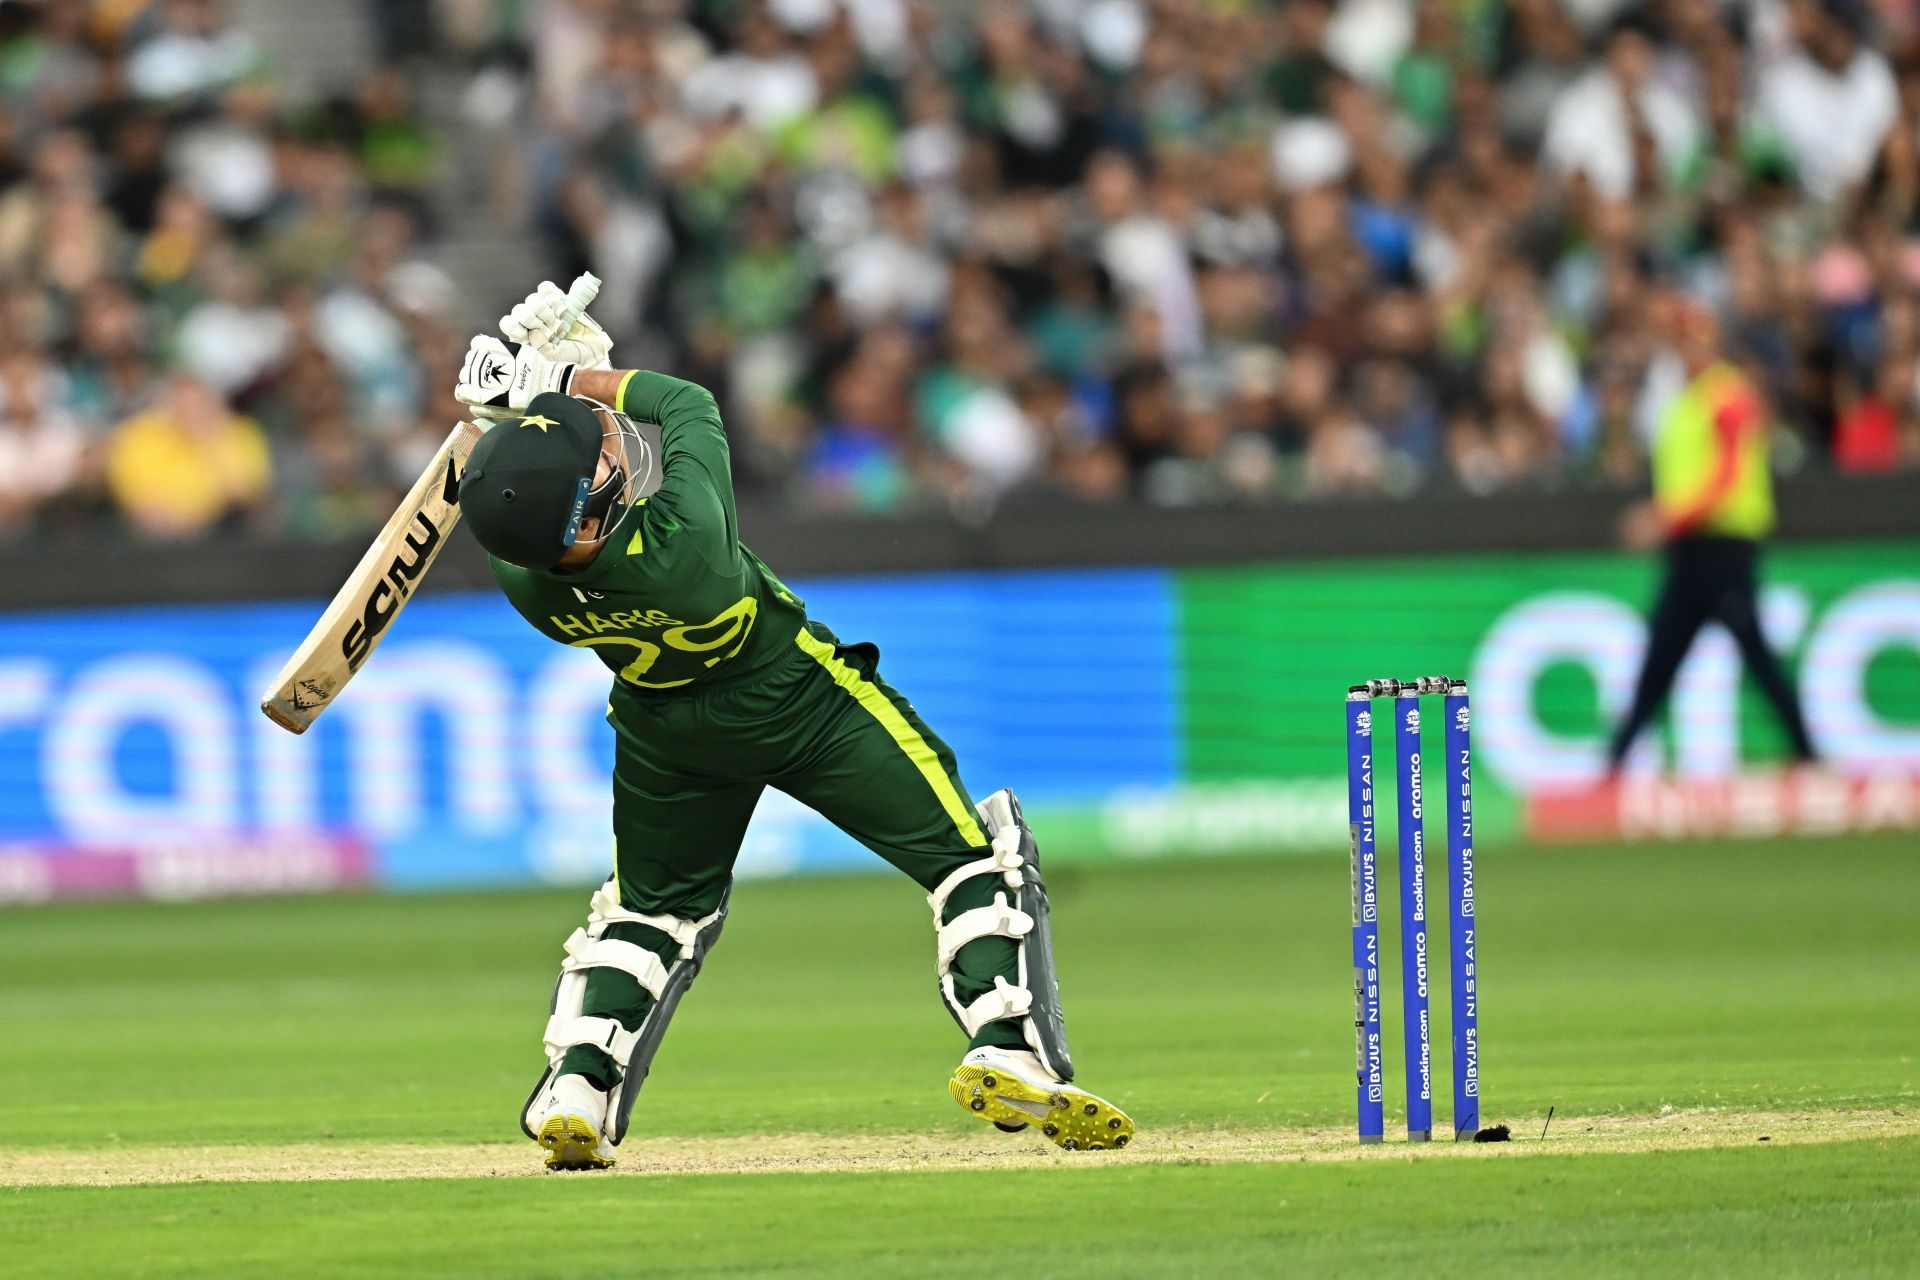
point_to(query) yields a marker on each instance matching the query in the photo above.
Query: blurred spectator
(1618, 126)
(186, 52)
(399, 153)
(233, 336)
(858, 461)
(187, 465)
(1830, 97)
(42, 448)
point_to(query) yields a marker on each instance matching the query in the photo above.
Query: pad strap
(1004, 1001)
(997, 812)
(1000, 919)
(585, 951)
(602, 1033)
(605, 908)
(1003, 859)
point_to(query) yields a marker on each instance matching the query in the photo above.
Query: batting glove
(539, 321)
(499, 379)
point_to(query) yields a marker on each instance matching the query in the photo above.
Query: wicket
(1461, 942)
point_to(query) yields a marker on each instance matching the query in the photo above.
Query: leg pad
(631, 1050)
(1018, 912)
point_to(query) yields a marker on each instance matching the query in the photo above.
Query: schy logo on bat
(423, 535)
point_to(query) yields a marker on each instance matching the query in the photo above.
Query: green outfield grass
(1741, 991)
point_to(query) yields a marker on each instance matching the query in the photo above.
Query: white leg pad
(564, 1032)
(584, 951)
(569, 1025)
(605, 909)
(1035, 999)
(1004, 1001)
(999, 919)
(1003, 859)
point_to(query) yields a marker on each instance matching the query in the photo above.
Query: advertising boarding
(1139, 713)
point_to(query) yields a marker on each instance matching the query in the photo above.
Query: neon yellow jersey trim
(868, 695)
(637, 545)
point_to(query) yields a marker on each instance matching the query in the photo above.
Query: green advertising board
(1550, 645)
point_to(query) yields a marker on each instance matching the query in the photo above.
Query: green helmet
(529, 481)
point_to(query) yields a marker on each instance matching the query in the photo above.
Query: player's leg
(872, 766)
(1682, 608)
(875, 769)
(1738, 609)
(648, 930)
(1014, 1086)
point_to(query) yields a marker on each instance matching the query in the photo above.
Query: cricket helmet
(529, 481)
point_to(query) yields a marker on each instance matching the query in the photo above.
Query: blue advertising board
(471, 750)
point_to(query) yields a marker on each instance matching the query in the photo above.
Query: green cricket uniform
(723, 687)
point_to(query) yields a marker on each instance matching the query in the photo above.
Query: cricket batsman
(722, 687)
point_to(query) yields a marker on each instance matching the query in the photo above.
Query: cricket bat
(377, 589)
(384, 580)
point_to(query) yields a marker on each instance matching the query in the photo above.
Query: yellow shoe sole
(1072, 1119)
(571, 1144)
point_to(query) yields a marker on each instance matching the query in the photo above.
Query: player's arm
(688, 416)
(1738, 416)
(696, 482)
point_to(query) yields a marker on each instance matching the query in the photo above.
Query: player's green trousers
(821, 725)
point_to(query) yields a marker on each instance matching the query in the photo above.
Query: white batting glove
(498, 379)
(538, 322)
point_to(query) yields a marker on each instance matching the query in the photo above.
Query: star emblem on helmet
(538, 421)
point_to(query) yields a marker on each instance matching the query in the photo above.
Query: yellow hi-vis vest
(1686, 449)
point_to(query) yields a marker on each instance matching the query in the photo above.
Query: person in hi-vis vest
(1712, 506)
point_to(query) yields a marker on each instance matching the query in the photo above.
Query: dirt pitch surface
(1675, 1130)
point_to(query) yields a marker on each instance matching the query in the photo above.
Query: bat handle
(580, 295)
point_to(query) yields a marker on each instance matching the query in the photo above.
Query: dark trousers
(1708, 578)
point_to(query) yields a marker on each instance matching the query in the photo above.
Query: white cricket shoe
(568, 1120)
(1012, 1089)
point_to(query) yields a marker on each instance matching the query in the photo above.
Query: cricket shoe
(567, 1121)
(1010, 1088)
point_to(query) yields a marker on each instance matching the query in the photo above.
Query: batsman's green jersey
(723, 687)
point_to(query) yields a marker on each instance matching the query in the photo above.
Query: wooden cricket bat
(384, 580)
(375, 592)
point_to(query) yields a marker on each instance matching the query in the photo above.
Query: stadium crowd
(950, 254)
(213, 312)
